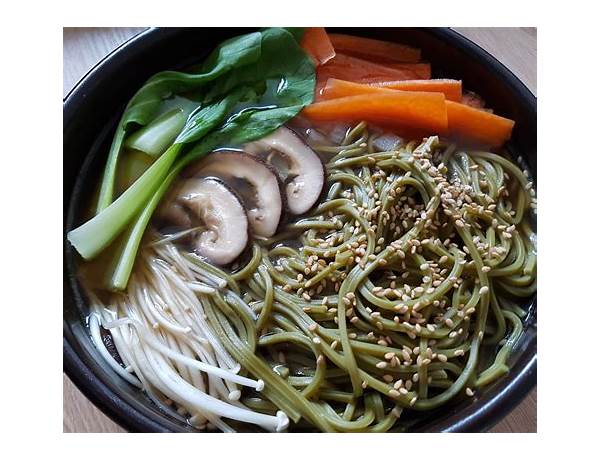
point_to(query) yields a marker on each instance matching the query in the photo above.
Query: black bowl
(91, 111)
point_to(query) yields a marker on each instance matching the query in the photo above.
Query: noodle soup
(325, 275)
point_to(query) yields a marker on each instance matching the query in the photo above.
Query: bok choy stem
(97, 233)
(155, 138)
(122, 271)
(108, 178)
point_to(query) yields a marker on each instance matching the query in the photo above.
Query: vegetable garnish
(340, 88)
(403, 109)
(350, 68)
(475, 125)
(408, 110)
(248, 87)
(316, 42)
(368, 48)
(452, 89)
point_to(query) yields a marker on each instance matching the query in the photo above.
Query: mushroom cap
(256, 183)
(306, 175)
(213, 203)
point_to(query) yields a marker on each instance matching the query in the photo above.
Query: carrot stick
(316, 43)
(368, 48)
(349, 68)
(423, 69)
(452, 89)
(479, 126)
(340, 88)
(399, 109)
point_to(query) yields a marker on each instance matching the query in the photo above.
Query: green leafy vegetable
(273, 80)
(145, 104)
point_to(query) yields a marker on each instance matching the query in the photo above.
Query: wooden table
(84, 47)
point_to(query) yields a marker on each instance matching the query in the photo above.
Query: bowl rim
(487, 414)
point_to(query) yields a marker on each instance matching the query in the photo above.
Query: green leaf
(233, 53)
(282, 60)
(210, 116)
(245, 127)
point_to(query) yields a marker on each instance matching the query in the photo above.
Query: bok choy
(248, 87)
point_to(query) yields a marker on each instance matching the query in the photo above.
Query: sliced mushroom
(304, 170)
(213, 204)
(254, 180)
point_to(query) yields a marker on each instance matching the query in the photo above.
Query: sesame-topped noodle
(398, 291)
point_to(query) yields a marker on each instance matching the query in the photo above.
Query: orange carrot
(479, 126)
(451, 88)
(335, 89)
(399, 109)
(421, 69)
(316, 43)
(368, 48)
(349, 68)
(340, 88)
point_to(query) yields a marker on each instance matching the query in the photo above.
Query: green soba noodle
(398, 291)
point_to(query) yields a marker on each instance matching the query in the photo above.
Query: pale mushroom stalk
(165, 350)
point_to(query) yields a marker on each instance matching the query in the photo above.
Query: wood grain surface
(84, 47)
